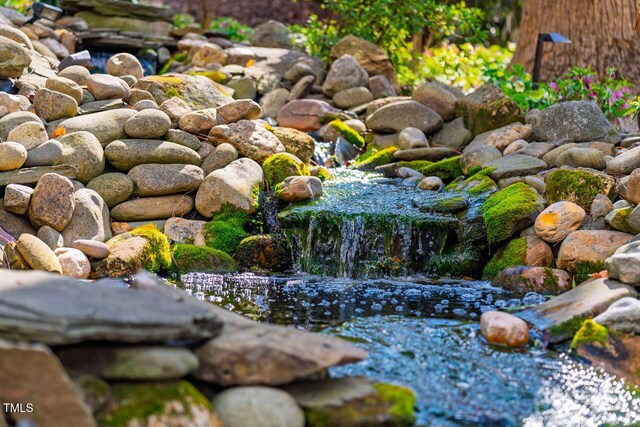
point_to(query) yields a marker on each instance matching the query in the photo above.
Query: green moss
(215, 76)
(576, 185)
(138, 402)
(268, 252)
(508, 211)
(172, 85)
(391, 405)
(590, 332)
(402, 401)
(511, 255)
(447, 169)
(374, 157)
(324, 174)
(281, 166)
(618, 219)
(157, 253)
(190, 258)
(477, 183)
(226, 229)
(414, 164)
(349, 133)
(583, 269)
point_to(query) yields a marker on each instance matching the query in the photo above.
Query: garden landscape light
(542, 38)
(45, 11)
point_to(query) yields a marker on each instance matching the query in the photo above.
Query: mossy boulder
(476, 184)
(512, 254)
(447, 169)
(464, 260)
(296, 142)
(191, 258)
(523, 279)
(589, 333)
(618, 219)
(349, 133)
(488, 108)
(169, 404)
(226, 230)
(375, 157)
(351, 402)
(268, 252)
(281, 166)
(157, 252)
(510, 210)
(580, 186)
(199, 92)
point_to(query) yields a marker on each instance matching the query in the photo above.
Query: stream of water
(424, 334)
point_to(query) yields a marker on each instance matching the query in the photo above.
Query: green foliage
(225, 231)
(390, 24)
(590, 333)
(157, 253)
(517, 84)
(189, 258)
(324, 174)
(511, 255)
(463, 65)
(234, 30)
(183, 20)
(22, 6)
(584, 269)
(348, 133)
(504, 210)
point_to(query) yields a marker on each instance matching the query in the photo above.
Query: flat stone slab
(432, 154)
(31, 374)
(48, 308)
(562, 316)
(515, 165)
(28, 176)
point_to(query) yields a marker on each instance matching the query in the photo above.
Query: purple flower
(593, 95)
(616, 95)
(553, 86)
(587, 80)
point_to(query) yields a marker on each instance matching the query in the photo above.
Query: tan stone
(52, 202)
(148, 208)
(501, 328)
(37, 254)
(587, 246)
(559, 220)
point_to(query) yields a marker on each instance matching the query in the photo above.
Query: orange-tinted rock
(501, 328)
(559, 220)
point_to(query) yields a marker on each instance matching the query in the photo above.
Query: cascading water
(367, 227)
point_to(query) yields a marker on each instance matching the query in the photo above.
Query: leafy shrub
(235, 31)
(183, 20)
(390, 24)
(22, 6)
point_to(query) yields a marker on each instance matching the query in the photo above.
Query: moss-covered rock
(157, 252)
(580, 186)
(199, 92)
(584, 269)
(190, 258)
(268, 252)
(350, 134)
(226, 230)
(465, 260)
(361, 403)
(323, 174)
(590, 332)
(281, 166)
(514, 253)
(488, 108)
(169, 404)
(476, 184)
(509, 211)
(618, 219)
(447, 169)
(375, 157)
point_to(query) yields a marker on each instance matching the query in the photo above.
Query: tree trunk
(602, 32)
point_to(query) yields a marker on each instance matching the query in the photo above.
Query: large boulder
(83, 151)
(488, 108)
(198, 92)
(237, 185)
(575, 121)
(345, 73)
(580, 186)
(126, 153)
(107, 126)
(151, 208)
(397, 116)
(14, 58)
(370, 57)
(159, 180)
(52, 202)
(438, 99)
(305, 114)
(272, 34)
(251, 138)
(588, 249)
(90, 219)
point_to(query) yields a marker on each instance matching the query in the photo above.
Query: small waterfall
(365, 229)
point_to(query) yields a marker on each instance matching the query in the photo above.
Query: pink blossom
(587, 80)
(553, 86)
(593, 95)
(616, 95)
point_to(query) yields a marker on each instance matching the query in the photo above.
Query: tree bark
(602, 33)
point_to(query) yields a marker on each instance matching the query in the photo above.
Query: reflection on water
(425, 335)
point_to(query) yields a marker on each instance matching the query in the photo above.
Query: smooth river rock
(250, 138)
(52, 202)
(159, 180)
(149, 208)
(126, 153)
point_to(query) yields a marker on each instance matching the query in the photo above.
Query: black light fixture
(44, 11)
(542, 38)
